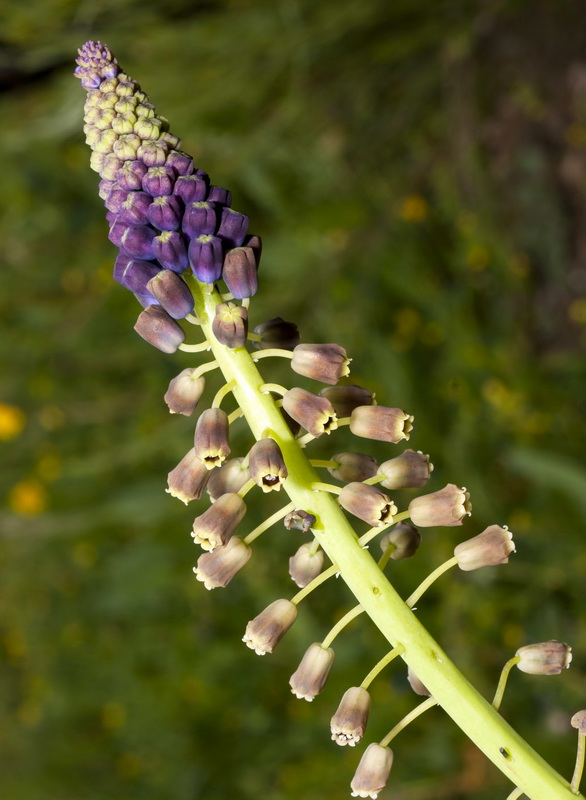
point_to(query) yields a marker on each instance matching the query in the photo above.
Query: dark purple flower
(199, 218)
(165, 212)
(157, 328)
(158, 181)
(240, 272)
(134, 274)
(233, 227)
(219, 195)
(130, 175)
(172, 293)
(180, 162)
(170, 250)
(134, 210)
(255, 242)
(137, 241)
(190, 188)
(145, 299)
(206, 257)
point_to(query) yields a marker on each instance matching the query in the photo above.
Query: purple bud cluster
(162, 210)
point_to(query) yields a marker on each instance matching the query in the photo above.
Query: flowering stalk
(178, 237)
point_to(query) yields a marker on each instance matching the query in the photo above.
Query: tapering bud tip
(349, 722)
(265, 631)
(491, 547)
(544, 658)
(215, 570)
(230, 325)
(312, 673)
(95, 63)
(373, 771)
(446, 507)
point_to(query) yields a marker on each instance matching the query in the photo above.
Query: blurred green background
(418, 174)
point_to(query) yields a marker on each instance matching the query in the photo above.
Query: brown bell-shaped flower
(491, 547)
(544, 658)
(353, 467)
(321, 362)
(445, 508)
(216, 569)
(381, 423)
(188, 480)
(312, 673)
(373, 771)
(306, 564)
(184, 392)
(405, 540)
(266, 465)
(230, 477)
(410, 470)
(348, 397)
(215, 526)
(230, 325)
(211, 437)
(266, 630)
(315, 414)
(367, 503)
(349, 722)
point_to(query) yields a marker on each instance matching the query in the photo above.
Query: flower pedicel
(178, 238)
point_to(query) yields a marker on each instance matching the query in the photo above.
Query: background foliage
(418, 175)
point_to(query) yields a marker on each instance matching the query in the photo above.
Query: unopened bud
(299, 520)
(312, 673)
(306, 564)
(136, 241)
(215, 570)
(349, 722)
(134, 274)
(230, 325)
(404, 538)
(266, 630)
(170, 250)
(215, 526)
(172, 293)
(233, 227)
(315, 414)
(184, 392)
(410, 470)
(266, 465)
(417, 686)
(544, 658)
(230, 477)
(373, 771)
(165, 213)
(447, 507)
(346, 398)
(211, 437)
(381, 423)
(367, 503)
(159, 329)
(188, 480)
(321, 362)
(491, 547)
(240, 272)
(276, 333)
(353, 467)
(206, 257)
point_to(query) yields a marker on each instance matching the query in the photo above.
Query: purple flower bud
(266, 630)
(173, 142)
(191, 189)
(315, 414)
(373, 771)
(266, 465)
(230, 325)
(215, 526)
(170, 250)
(151, 153)
(206, 257)
(116, 198)
(211, 437)
(134, 210)
(130, 175)
(445, 508)
(306, 564)
(180, 162)
(256, 243)
(134, 274)
(410, 470)
(230, 477)
(216, 570)
(277, 333)
(321, 362)
(117, 231)
(381, 423)
(158, 181)
(184, 392)
(157, 328)
(199, 218)
(188, 480)
(311, 675)
(95, 62)
(104, 189)
(111, 218)
(367, 503)
(349, 722)
(110, 166)
(219, 195)
(233, 227)
(145, 299)
(544, 658)
(165, 212)
(353, 467)
(405, 540)
(346, 398)
(137, 241)
(172, 293)
(240, 272)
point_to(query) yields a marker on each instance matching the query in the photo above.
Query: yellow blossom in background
(12, 421)
(477, 257)
(28, 498)
(413, 208)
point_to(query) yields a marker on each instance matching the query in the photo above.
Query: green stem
(385, 660)
(470, 711)
(431, 578)
(407, 719)
(500, 689)
(268, 523)
(517, 792)
(579, 768)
